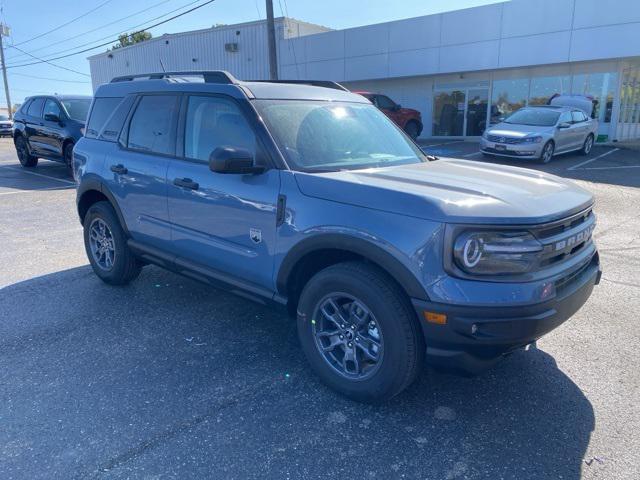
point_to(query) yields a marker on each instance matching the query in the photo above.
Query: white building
(461, 69)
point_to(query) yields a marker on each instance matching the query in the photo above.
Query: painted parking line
(41, 175)
(472, 154)
(586, 162)
(611, 168)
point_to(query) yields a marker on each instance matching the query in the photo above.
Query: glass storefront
(629, 117)
(448, 113)
(543, 88)
(463, 109)
(601, 86)
(508, 96)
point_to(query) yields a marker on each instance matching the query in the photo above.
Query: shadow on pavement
(171, 378)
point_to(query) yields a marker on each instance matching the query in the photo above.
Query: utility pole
(4, 32)
(271, 37)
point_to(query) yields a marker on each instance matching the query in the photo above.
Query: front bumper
(519, 150)
(474, 338)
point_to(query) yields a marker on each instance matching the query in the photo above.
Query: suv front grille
(565, 238)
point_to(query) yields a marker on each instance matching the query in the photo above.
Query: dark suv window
(213, 122)
(35, 109)
(101, 111)
(52, 107)
(152, 124)
(385, 102)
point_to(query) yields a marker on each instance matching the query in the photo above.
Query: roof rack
(315, 83)
(209, 76)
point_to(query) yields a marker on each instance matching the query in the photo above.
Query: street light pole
(271, 38)
(4, 32)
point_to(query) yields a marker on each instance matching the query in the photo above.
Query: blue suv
(307, 196)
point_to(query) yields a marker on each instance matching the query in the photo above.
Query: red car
(407, 119)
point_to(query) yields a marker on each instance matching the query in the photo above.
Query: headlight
(536, 139)
(485, 134)
(496, 253)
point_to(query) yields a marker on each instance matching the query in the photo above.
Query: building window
(507, 97)
(601, 87)
(448, 113)
(543, 88)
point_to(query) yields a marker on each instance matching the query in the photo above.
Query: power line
(47, 62)
(50, 79)
(111, 36)
(98, 28)
(64, 24)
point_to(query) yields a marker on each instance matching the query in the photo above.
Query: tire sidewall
(105, 212)
(412, 129)
(386, 379)
(584, 145)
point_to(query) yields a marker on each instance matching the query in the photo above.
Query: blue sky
(30, 19)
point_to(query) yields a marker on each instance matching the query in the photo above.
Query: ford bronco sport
(311, 198)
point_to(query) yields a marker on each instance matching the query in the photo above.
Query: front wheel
(106, 246)
(587, 145)
(24, 154)
(359, 333)
(547, 153)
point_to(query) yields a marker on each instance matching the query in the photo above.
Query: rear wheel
(412, 129)
(587, 145)
(68, 157)
(359, 332)
(106, 246)
(547, 152)
(24, 154)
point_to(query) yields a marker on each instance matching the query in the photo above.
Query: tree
(126, 39)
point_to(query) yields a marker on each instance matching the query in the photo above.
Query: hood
(453, 191)
(515, 130)
(410, 110)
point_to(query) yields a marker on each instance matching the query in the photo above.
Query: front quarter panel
(412, 245)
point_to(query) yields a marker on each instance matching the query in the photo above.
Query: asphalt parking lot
(167, 378)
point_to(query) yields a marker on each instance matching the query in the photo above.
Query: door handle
(186, 183)
(119, 169)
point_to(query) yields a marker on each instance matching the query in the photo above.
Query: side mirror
(51, 117)
(233, 160)
(563, 125)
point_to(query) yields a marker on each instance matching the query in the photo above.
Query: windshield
(77, 108)
(327, 136)
(3, 118)
(538, 117)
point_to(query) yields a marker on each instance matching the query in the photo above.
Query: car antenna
(162, 65)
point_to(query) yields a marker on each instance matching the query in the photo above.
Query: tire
(68, 157)
(587, 145)
(123, 267)
(547, 152)
(412, 129)
(24, 153)
(376, 312)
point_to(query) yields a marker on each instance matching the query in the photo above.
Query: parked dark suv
(48, 127)
(310, 198)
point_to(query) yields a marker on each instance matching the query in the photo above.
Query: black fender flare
(359, 246)
(94, 183)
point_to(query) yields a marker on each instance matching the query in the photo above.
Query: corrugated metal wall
(200, 50)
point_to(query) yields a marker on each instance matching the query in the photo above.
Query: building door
(460, 112)
(476, 113)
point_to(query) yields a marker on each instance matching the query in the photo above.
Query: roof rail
(315, 83)
(209, 76)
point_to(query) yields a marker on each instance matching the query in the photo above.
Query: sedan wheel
(547, 153)
(587, 146)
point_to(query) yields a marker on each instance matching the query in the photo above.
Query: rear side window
(214, 122)
(35, 109)
(100, 113)
(385, 102)
(578, 116)
(152, 125)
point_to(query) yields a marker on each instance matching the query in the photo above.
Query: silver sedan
(540, 133)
